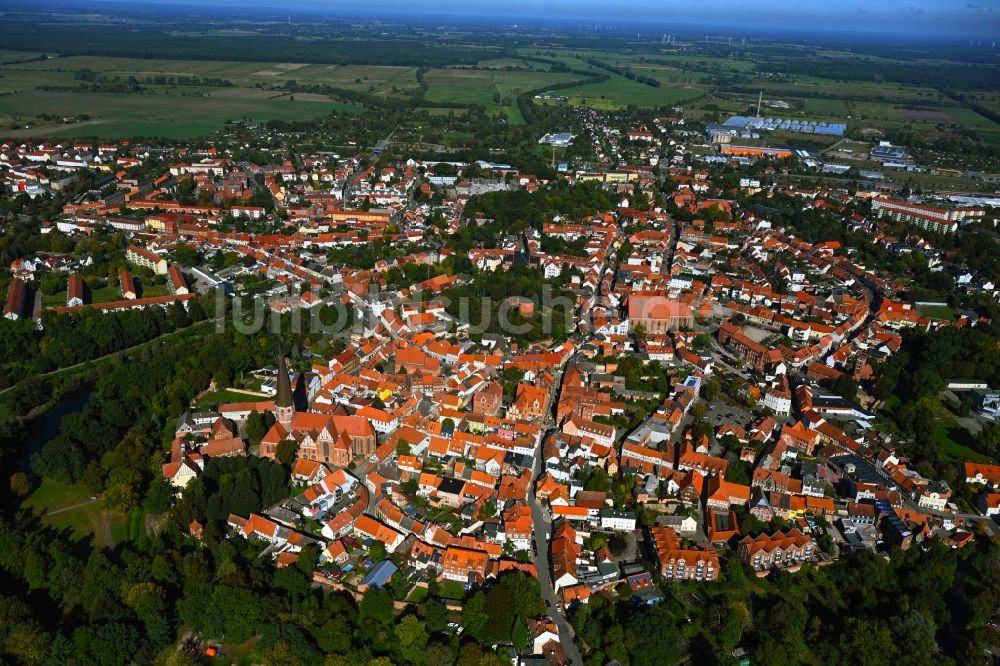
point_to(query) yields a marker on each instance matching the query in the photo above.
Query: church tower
(284, 405)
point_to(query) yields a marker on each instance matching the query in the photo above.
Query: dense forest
(925, 605)
(912, 378)
(129, 42)
(68, 339)
(519, 209)
(63, 603)
(481, 302)
(947, 75)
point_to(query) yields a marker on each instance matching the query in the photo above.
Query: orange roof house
(679, 562)
(368, 527)
(460, 564)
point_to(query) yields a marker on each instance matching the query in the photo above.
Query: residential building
(787, 550)
(679, 562)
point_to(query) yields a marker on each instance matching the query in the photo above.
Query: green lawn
(986, 129)
(53, 495)
(87, 521)
(136, 525)
(452, 589)
(236, 654)
(950, 437)
(107, 293)
(937, 312)
(240, 74)
(223, 396)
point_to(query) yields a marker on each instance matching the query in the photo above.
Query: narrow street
(540, 557)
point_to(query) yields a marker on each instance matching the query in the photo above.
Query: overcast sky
(956, 18)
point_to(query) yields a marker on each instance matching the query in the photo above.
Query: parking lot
(720, 412)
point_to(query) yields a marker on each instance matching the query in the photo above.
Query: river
(45, 428)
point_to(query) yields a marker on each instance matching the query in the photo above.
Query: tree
(435, 615)
(286, 451)
(335, 635)
(377, 552)
(19, 484)
(410, 488)
(474, 617)
(240, 612)
(255, 427)
(27, 642)
(179, 316)
(122, 491)
(160, 496)
(699, 410)
(846, 387)
(376, 605)
(412, 635)
(438, 654)
(651, 640)
(184, 254)
(520, 636)
(598, 480)
(738, 471)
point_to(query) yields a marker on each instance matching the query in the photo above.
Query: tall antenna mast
(760, 100)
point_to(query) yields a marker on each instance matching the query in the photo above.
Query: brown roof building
(777, 551)
(678, 562)
(14, 305)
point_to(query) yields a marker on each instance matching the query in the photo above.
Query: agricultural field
(618, 92)
(241, 74)
(166, 115)
(213, 92)
(484, 87)
(174, 111)
(810, 87)
(15, 56)
(825, 108)
(987, 130)
(868, 111)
